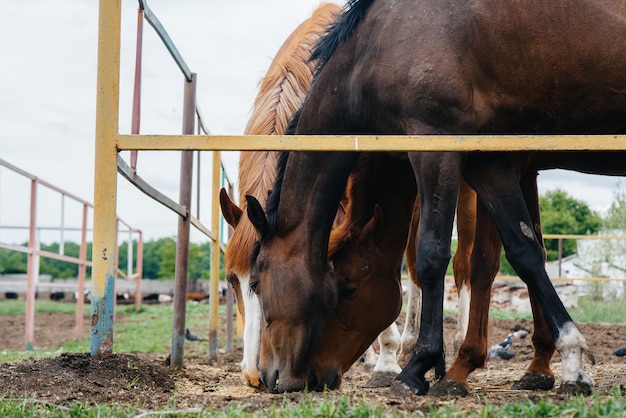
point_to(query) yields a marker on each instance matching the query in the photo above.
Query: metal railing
(101, 336)
(33, 251)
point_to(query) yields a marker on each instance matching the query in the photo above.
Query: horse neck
(310, 193)
(383, 181)
(281, 93)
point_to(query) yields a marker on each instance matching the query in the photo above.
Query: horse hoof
(381, 380)
(574, 388)
(402, 389)
(448, 387)
(534, 381)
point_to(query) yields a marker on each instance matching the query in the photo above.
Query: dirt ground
(144, 380)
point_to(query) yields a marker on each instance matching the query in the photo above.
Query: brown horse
(281, 93)
(427, 68)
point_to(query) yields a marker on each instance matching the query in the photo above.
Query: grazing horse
(427, 67)
(281, 93)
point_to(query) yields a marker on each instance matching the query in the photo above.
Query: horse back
(476, 66)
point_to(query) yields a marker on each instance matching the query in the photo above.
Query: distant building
(598, 259)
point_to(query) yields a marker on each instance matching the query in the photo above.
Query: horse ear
(374, 227)
(340, 217)
(257, 216)
(231, 212)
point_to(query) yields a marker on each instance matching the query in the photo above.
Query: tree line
(560, 214)
(159, 260)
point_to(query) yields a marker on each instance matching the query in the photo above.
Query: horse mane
(271, 208)
(281, 92)
(290, 74)
(339, 32)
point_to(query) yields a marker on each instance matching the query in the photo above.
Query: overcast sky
(47, 100)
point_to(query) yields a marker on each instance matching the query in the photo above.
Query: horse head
(296, 297)
(237, 261)
(369, 300)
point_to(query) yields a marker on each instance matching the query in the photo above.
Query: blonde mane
(281, 93)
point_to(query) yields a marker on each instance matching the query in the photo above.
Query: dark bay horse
(407, 67)
(281, 93)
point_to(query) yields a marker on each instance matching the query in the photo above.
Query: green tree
(12, 262)
(152, 256)
(167, 258)
(615, 218)
(561, 214)
(122, 257)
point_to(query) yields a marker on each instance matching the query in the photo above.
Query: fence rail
(370, 143)
(33, 251)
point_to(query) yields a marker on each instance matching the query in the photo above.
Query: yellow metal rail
(426, 143)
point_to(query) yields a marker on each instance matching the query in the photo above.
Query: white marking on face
(251, 332)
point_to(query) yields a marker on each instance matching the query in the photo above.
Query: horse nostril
(272, 384)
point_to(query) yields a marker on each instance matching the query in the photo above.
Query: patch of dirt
(144, 380)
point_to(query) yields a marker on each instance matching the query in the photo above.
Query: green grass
(150, 331)
(18, 307)
(579, 406)
(591, 310)
(341, 406)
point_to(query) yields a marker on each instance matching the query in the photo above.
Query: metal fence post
(184, 222)
(105, 174)
(32, 267)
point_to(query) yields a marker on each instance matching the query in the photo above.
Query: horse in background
(460, 68)
(281, 93)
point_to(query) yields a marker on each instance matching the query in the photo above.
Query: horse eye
(347, 292)
(254, 286)
(230, 278)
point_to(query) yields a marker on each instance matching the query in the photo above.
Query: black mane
(271, 206)
(338, 33)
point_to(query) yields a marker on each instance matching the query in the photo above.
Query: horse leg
(438, 177)
(466, 229)
(485, 262)
(369, 358)
(504, 200)
(539, 375)
(414, 299)
(386, 368)
(411, 328)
